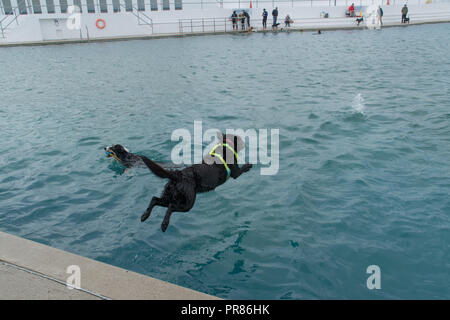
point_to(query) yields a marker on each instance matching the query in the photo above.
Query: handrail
(134, 11)
(4, 23)
(140, 12)
(215, 23)
(223, 24)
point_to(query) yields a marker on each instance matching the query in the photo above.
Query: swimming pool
(364, 173)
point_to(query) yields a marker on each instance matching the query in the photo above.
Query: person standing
(247, 17)
(242, 17)
(275, 16)
(264, 21)
(234, 20)
(404, 13)
(380, 15)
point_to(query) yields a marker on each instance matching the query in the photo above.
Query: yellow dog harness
(214, 154)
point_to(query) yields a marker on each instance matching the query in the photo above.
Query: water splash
(358, 104)
(372, 17)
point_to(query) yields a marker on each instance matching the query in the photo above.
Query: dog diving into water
(180, 192)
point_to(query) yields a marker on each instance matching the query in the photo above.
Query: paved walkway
(17, 284)
(29, 270)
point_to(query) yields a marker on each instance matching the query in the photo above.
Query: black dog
(180, 192)
(359, 20)
(125, 157)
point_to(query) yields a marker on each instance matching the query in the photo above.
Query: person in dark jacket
(275, 16)
(380, 15)
(247, 17)
(234, 20)
(404, 13)
(264, 21)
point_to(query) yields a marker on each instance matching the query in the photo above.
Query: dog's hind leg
(166, 220)
(155, 202)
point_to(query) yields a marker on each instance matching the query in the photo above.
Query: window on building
(103, 6)
(36, 6)
(21, 4)
(90, 6)
(166, 5)
(50, 6)
(63, 6)
(154, 5)
(7, 7)
(77, 3)
(128, 5)
(141, 5)
(178, 4)
(116, 5)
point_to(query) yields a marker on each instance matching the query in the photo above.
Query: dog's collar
(214, 154)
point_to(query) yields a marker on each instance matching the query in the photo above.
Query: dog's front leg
(166, 220)
(236, 173)
(246, 167)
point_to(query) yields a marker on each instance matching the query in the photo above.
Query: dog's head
(117, 151)
(235, 142)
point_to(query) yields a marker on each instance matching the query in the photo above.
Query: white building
(40, 21)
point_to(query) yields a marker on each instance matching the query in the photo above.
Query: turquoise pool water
(364, 179)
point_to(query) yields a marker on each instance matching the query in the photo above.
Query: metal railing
(225, 24)
(204, 25)
(268, 4)
(143, 19)
(8, 20)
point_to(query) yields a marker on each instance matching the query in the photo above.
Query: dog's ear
(121, 148)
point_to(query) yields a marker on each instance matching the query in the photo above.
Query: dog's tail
(158, 170)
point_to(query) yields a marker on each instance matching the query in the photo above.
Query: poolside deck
(30, 271)
(311, 28)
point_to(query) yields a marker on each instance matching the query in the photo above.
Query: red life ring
(100, 23)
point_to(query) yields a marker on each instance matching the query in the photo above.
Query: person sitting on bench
(351, 10)
(287, 21)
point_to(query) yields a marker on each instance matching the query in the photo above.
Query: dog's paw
(145, 216)
(164, 226)
(247, 167)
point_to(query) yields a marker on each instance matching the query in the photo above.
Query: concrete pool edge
(193, 34)
(45, 268)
